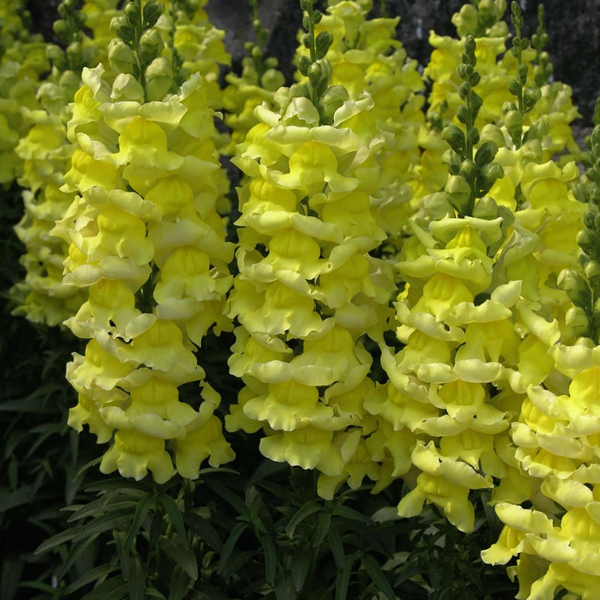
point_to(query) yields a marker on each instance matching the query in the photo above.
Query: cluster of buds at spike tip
(257, 84)
(526, 95)
(69, 29)
(583, 285)
(314, 66)
(543, 68)
(472, 172)
(137, 49)
(480, 18)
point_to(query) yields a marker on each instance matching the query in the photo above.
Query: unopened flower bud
(159, 78)
(121, 58)
(151, 45)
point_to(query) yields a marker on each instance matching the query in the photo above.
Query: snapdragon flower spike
(46, 154)
(22, 62)
(555, 445)
(308, 290)
(366, 58)
(454, 385)
(147, 243)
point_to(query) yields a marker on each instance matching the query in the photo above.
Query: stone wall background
(573, 27)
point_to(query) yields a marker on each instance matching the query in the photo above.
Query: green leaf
(75, 552)
(141, 512)
(377, 576)
(205, 530)
(184, 557)
(301, 562)
(270, 558)
(58, 539)
(12, 569)
(284, 589)
(228, 496)
(115, 519)
(22, 495)
(137, 580)
(118, 483)
(180, 582)
(236, 562)
(323, 524)
(337, 547)
(93, 575)
(229, 546)
(111, 589)
(342, 580)
(307, 509)
(349, 513)
(176, 517)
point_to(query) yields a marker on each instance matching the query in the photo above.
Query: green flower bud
(151, 45)
(486, 153)
(159, 78)
(121, 57)
(514, 88)
(513, 120)
(463, 113)
(486, 208)
(308, 40)
(62, 30)
(473, 136)
(317, 16)
(79, 19)
(299, 90)
(132, 12)
(272, 79)
(455, 138)
(315, 72)
(531, 97)
(438, 206)
(152, 12)
(492, 171)
(492, 133)
(457, 185)
(592, 270)
(577, 320)
(587, 240)
(256, 53)
(575, 286)
(467, 169)
(304, 64)
(123, 29)
(323, 43)
(75, 53)
(589, 219)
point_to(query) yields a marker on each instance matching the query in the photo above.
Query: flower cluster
(46, 153)
(146, 242)
(22, 62)
(308, 291)
(555, 441)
